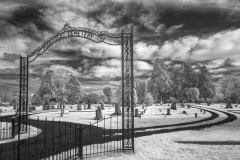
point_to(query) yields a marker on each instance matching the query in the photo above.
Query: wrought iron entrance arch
(126, 39)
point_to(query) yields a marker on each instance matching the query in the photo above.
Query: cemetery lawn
(221, 142)
(214, 143)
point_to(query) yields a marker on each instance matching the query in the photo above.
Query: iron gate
(126, 41)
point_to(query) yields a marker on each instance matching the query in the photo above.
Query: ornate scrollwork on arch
(68, 31)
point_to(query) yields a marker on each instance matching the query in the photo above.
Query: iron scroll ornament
(68, 31)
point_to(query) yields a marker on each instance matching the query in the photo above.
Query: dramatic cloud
(202, 32)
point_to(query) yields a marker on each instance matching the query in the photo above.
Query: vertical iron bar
(26, 80)
(104, 134)
(29, 142)
(70, 139)
(97, 136)
(1, 146)
(123, 63)
(20, 108)
(65, 139)
(81, 137)
(37, 134)
(110, 132)
(75, 138)
(53, 151)
(132, 78)
(59, 134)
(66, 144)
(14, 145)
(90, 138)
(13, 127)
(92, 143)
(86, 147)
(45, 138)
(0, 127)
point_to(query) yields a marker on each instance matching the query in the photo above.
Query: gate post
(127, 92)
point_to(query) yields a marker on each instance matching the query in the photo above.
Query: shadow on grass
(210, 142)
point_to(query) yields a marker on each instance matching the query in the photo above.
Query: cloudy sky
(205, 32)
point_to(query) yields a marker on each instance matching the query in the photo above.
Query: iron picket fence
(6, 128)
(45, 139)
(58, 140)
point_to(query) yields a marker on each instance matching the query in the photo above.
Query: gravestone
(100, 112)
(208, 103)
(1, 110)
(97, 114)
(136, 112)
(188, 106)
(195, 115)
(117, 109)
(79, 106)
(168, 111)
(102, 105)
(173, 106)
(229, 105)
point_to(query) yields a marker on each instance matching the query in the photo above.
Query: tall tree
(190, 76)
(194, 94)
(141, 89)
(102, 98)
(108, 92)
(206, 86)
(161, 80)
(60, 84)
(36, 99)
(230, 87)
(75, 92)
(177, 87)
(91, 98)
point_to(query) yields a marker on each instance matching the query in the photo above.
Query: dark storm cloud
(10, 57)
(166, 19)
(25, 20)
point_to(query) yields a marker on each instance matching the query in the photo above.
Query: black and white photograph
(120, 79)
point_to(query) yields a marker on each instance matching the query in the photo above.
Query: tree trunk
(89, 105)
(61, 107)
(160, 98)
